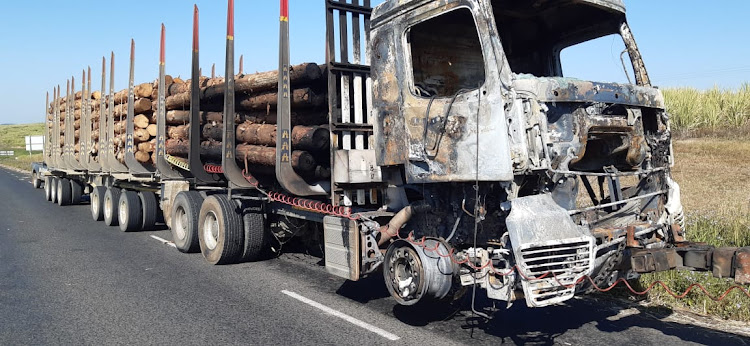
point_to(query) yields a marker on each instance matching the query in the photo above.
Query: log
(178, 117)
(121, 97)
(142, 105)
(178, 132)
(303, 137)
(152, 129)
(255, 83)
(143, 90)
(96, 95)
(142, 156)
(141, 121)
(120, 126)
(266, 156)
(141, 135)
(178, 147)
(148, 147)
(301, 98)
(211, 149)
(213, 130)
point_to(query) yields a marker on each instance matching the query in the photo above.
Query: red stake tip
(284, 10)
(230, 19)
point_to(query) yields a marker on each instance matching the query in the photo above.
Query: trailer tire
(256, 235)
(76, 192)
(220, 230)
(97, 202)
(48, 188)
(129, 212)
(185, 213)
(53, 189)
(35, 181)
(149, 209)
(64, 195)
(111, 198)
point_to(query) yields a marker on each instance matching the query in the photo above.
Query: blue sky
(43, 43)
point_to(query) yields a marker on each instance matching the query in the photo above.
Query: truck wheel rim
(180, 223)
(95, 203)
(123, 212)
(211, 230)
(107, 206)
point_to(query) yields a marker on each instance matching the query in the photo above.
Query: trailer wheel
(150, 209)
(220, 230)
(129, 212)
(111, 199)
(97, 202)
(48, 188)
(256, 235)
(76, 191)
(64, 195)
(35, 181)
(53, 189)
(185, 212)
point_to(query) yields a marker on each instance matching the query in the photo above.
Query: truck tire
(150, 210)
(76, 192)
(53, 189)
(97, 202)
(35, 181)
(256, 235)
(111, 199)
(64, 195)
(220, 230)
(48, 188)
(185, 212)
(129, 212)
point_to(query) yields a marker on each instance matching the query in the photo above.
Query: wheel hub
(211, 230)
(413, 272)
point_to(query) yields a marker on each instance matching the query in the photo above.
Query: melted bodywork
(492, 153)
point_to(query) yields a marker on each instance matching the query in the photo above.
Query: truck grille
(566, 261)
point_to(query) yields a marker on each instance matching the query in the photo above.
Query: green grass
(715, 112)
(12, 138)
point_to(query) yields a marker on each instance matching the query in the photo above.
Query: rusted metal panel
(742, 266)
(562, 89)
(721, 262)
(654, 260)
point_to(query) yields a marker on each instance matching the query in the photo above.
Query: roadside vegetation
(12, 139)
(723, 113)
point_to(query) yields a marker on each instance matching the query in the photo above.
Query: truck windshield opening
(534, 32)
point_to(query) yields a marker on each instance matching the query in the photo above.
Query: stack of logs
(255, 119)
(77, 111)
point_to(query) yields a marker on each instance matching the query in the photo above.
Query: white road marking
(343, 316)
(164, 241)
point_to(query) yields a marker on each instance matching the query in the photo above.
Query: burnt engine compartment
(611, 153)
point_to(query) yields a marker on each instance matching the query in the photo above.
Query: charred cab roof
(393, 8)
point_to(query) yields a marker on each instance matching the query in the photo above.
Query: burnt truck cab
(530, 179)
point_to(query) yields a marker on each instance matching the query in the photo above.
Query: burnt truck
(459, 155)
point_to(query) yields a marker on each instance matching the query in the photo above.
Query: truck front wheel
(35, 181)
(220, 230)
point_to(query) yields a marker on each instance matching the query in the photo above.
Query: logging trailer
(459, 155)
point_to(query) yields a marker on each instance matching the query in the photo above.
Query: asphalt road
(66, 279)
